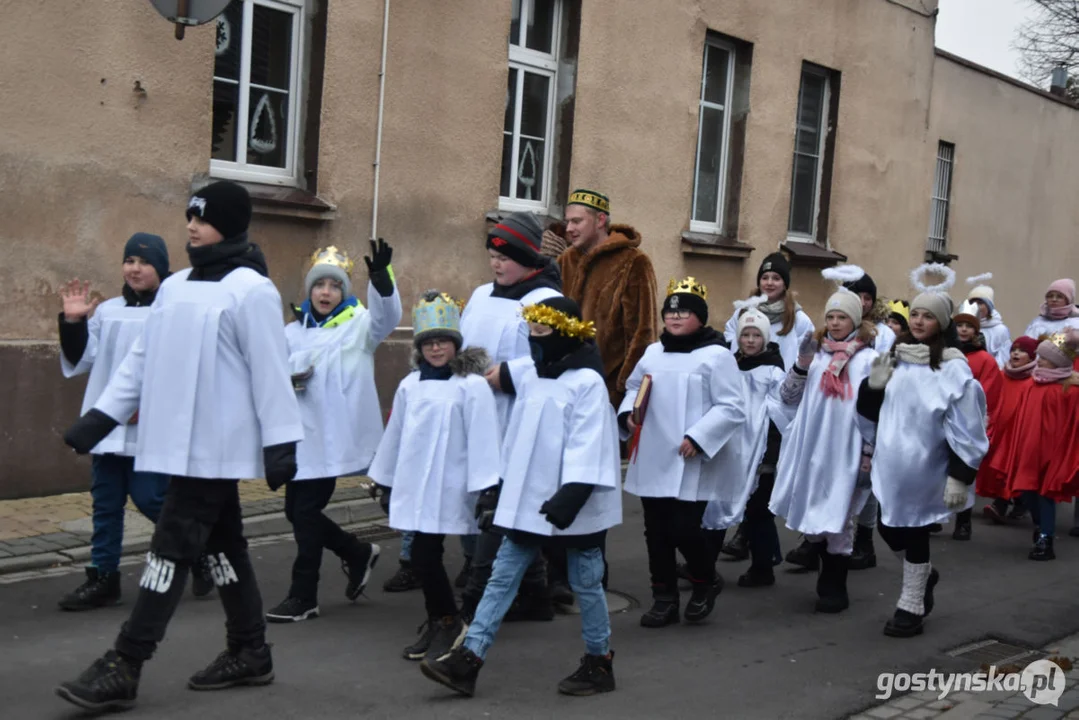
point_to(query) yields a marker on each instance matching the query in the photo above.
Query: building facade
(721, 129)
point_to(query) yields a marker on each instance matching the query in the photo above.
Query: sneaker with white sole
(358, 568)
(292, 610)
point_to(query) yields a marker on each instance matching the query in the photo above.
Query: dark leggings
(438, 596)
(914, 541)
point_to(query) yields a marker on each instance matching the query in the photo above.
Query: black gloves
(378, 267)
(89, 430)
(486, 504)
(381, 493)
(280, 464)
(561, 510)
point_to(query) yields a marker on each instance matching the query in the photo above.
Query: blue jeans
(1043, 511)
(585, 577)
(468, 545)
(114, 478)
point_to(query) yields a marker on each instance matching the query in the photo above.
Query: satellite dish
(189, 12)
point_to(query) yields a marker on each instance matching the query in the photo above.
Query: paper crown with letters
(436, 315)
(592, 199)
(687, 285)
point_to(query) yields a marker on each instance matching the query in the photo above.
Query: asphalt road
(763, 653)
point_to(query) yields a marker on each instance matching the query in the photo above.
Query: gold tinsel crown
(688, 285)
(332, 256)
(569, 326)
(1065, 342)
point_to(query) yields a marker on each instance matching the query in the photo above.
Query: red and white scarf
(835, 381)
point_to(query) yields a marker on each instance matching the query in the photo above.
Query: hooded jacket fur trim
(615, 287)
(470, 361)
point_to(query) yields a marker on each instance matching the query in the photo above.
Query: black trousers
(438, 596)
(912, 541)
(672, 525)
(759, 525)
(198, 515)
(304, 502)
(487, 544)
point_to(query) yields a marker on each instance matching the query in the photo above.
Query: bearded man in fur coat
(612, 280)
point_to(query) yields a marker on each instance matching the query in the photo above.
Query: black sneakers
(428, 630)
(235, 667)
(757, 577)
(449, 633)
(863, 556)
(1043, 549)
(292, 610)
(202, 580)
(111, 683)
(962, 530)
(904, 625)
(664, 611)
(99, 590)
(457, 670)
(703, 599)
(595, 675)
(403, 580)
(806, 555)
(358, 568)
(738, 546)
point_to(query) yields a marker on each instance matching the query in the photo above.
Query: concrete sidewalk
(54, 531)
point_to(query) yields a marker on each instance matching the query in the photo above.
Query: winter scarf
(992, 321)
(133, 298)
(548, 276)
(430, 372)
(1022, 372)
(835, 382)
(774, 310)
(213, 262)
(768, 356)
(312, 318)
(918, 354)
(584, 356)
(688, 343)
(1060, 313)
(1047, 376)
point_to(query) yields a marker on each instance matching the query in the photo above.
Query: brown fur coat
(616, 289)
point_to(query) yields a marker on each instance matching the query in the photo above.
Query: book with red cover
(640, 409)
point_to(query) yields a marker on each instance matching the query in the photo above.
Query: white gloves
(955, 494)
(807, 350)
(880, 372)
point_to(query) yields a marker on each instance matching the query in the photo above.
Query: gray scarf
(919, 354)
(774, 310)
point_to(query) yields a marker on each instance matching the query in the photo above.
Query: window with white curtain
(528, 130)
(256, 95)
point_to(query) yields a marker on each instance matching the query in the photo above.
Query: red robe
(987, 372)
(1044, 456)
(992, 481)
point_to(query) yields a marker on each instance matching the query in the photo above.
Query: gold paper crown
(688, 285)
(1064, 343)
(592, 199)
(332, 256)
(897, 307)
(569, 326)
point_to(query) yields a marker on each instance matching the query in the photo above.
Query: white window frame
(523, 59)
(824, 132)
(240, 169)
(701, 226)
(937, 240)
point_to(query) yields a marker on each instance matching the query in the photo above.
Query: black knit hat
(777, 263)
(150, 248)
(224, 205)
(863, 285)
(518, 237)
(687, 301)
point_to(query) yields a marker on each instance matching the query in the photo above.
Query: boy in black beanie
(210, 380)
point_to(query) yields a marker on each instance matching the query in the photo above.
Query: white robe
(760, 388)
(561, 431)
(439, 451)
(342, 420)
(696, 394)
(885, 338)
(1041, 326)
(788, 344)
(925, 412)
(821, 454)
(496, 325)
(209, 377)
(111, 331)
(998, 340)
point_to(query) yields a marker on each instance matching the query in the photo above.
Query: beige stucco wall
(1013, 210)
(636, 128)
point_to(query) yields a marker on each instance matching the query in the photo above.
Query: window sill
(809, 254)
(940, 257)
(695, 243)
(280, 200)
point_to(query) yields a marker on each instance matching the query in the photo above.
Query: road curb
(347, 512)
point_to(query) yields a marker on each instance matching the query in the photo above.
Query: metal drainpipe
(381, 107)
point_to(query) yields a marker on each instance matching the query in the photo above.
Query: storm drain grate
(995, 652)
(375, 532)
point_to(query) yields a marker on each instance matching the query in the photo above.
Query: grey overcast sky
(982, 31)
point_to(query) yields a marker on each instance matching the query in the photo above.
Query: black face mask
(549, 349)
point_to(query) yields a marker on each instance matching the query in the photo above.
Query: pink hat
(1065, 287)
